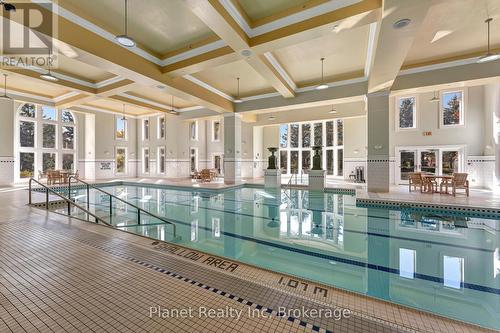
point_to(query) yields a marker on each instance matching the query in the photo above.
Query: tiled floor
(61, 274)
(477, 198)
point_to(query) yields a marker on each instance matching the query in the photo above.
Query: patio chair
(430, 184)
(415, 180)
(205, 175)
(41, 175)
(53, 177)
(460, 182)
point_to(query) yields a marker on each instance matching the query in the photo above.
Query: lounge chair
(460, 182)
(415, 180)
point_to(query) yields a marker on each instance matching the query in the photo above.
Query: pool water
(440, 262)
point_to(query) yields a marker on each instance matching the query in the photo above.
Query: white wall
(475, 135)
(428, 121)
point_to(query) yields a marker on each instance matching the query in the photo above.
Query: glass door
(451, 161)
(429, 161)
(407, 164)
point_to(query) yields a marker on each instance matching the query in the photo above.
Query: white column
(7, 142)
(89, 147)
(232, 148)
(496, 135)
(378, 142)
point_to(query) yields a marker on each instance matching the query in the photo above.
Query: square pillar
(7, 126)
(89, 147)
(232, 148)
(378, 142)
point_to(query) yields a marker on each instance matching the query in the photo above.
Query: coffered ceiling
(195, 49)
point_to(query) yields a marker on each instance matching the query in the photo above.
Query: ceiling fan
(7, 6)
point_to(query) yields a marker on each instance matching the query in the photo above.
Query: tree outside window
(407, 112)
(452, 108)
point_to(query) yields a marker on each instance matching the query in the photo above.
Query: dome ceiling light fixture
(435, 98)
(5, 97)
(125, 39)
(489, 56)
(238, 99)
(323, 85)
(400, 24)
(172, 107)
(123, 115)
(48, 76)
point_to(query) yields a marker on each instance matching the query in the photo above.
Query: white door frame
(221, 162)
(462, 149)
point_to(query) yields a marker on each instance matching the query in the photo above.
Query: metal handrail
(68, 200)
(111, 196)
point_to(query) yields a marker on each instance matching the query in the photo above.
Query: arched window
(46, 140)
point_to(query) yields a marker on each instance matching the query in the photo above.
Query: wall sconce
(377, 147)
(356, 151)
(106, 153)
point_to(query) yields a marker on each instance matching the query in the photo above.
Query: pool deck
(479, 198)
(62, 274)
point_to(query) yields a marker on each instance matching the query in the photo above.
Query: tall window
(193, 130)
(53, 148)
(145, 129)
(121, 160)
(121, 128)
(161, 160)
(161, 127)
(452, 109)
(296, 141)
(145, 160)
(193, 159)
(216, 131)
(407, 112)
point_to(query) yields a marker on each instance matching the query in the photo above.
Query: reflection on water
(443, 263)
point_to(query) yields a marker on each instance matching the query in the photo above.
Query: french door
(441, 160)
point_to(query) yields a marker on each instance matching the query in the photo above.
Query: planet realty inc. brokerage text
(234, 313)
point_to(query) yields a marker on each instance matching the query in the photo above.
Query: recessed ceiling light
(246, 53)
(124, 39)
(401, 23)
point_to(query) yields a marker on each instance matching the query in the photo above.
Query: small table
(429, 178)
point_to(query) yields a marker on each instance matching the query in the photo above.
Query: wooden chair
(446, 183)
(41, 175)
(53, 177)
(460, 182)
(430, 184)
(415, 180)
(205, 175)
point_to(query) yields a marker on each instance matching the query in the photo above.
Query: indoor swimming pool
(445, 263)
